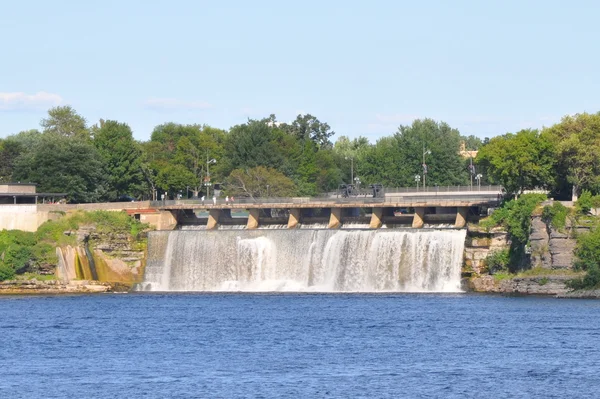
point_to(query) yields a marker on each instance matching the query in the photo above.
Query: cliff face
(479, 243)
(550, 248)
(99, 256)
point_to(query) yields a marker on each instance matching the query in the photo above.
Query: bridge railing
(359, 200)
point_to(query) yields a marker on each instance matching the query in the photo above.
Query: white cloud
(173, 104)
(22, 101)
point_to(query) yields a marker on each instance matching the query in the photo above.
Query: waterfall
(320, 260)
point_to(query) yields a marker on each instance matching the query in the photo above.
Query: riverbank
(37, 287)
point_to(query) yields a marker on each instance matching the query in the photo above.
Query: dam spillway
(311, 260)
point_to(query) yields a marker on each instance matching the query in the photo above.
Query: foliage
(25, 252)
(555, 215)
(121, 155)
(520, 161)
(259, 182)
(577, 142)
(6, 272)
(586, 202)
(497, 261)
(588, 259)
(65, 121)
(515, 216)
(308, 128)
(63, 164)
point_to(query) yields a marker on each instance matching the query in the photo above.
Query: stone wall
(479, 243)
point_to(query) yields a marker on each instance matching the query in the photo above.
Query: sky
(364, 67)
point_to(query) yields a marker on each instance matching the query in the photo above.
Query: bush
(498, 261)
(588, 254)
(6, 272)
(584, 203)
(555, 215)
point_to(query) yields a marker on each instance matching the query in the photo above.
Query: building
(26, 193)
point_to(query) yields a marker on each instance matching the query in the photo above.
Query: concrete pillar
(213, 219)
(418, 218)
(294, 218)
(335, 220)
(461, 217)
(166, 221)
(376, 218)
(253, 218)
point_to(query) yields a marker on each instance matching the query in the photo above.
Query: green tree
(65, 121)
(259, 182)
(520, 161)
(65, 165)
(307, 127)
(577, 144)
(122, 158)
(189, 146)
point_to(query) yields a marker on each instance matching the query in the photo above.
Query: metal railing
(438, 197)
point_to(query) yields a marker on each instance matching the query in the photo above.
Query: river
(298, 346)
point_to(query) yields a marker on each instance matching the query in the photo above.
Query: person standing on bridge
(227, 200)
(202, 200)
(214, 200)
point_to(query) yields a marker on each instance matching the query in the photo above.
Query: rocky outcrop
(479, 244)
(535, 285)
(14, 287)
(551, 248)
(105, 257)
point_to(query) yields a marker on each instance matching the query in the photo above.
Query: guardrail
(439, 197)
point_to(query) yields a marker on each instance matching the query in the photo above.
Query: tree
(65, 121)
(122, 158)
(188, 146)
(520, 161)
(307, 127)
(259, 182)
(62, 164)
(577, 143)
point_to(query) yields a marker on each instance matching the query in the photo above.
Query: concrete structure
(25, 193)
(403, 210)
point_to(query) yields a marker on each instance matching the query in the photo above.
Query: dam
(305, 260)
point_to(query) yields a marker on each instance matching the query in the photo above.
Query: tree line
(103, 162)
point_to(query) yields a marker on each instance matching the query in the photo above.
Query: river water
(298, 346)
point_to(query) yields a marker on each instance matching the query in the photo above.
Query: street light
(417, 179)
(207, 178)
(478, 178)
(351, 168)
(425, 152)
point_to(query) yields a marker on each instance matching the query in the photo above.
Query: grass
(36, 276)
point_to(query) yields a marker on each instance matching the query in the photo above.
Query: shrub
(584, 203)
(6, 272)
(588, 254)
(555, 215)
(497, 261)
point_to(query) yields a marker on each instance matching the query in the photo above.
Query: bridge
(404, 207)
(409, 207)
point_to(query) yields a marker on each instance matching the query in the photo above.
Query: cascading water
(318, 260)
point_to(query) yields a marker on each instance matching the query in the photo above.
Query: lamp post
(351, 168)
(417, 180)
(357, 184)
(478, 178)
(472, 172)
(425, 152)
(207, 179)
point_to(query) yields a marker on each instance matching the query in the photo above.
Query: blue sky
(486, 68)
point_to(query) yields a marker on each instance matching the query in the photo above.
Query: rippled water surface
(298, 346)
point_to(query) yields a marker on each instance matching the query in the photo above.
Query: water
(298, 346)
(319, 260)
